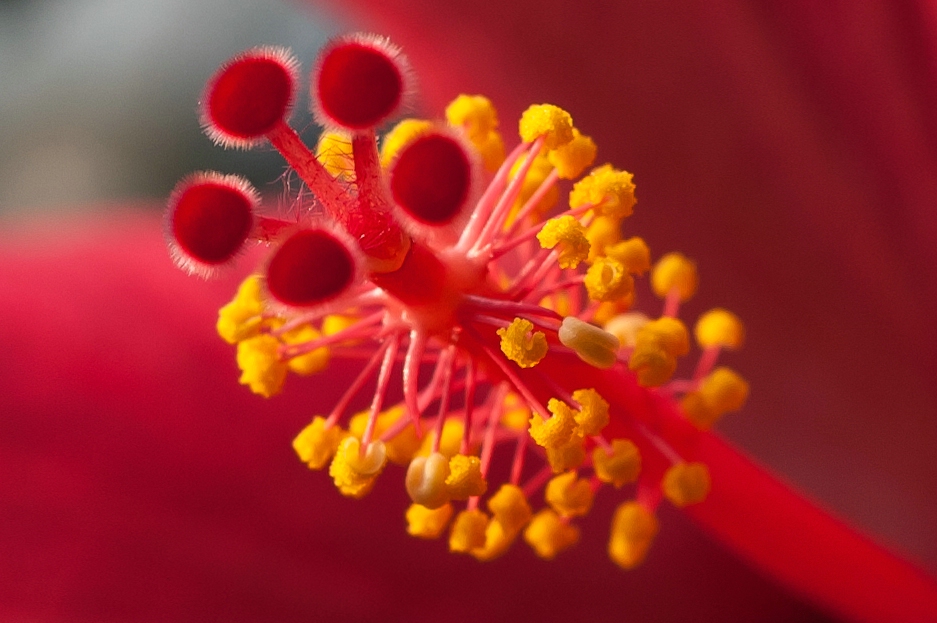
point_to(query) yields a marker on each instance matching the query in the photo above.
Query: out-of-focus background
(98, 98)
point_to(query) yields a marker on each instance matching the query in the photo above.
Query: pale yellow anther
(307, 363)
(674, 272)
(551, 122)
(426, 480)
(633, 253)
(669, 333)
(602, 233)
(315, 445)
(572, 158)
(521, 344)
(536, 175)
(595, 346)
(241, 318)
(626, 327)
(261, 368)
(549, 535)
(334, 152)
(510, 508)
(516, 412)
(720, 392)
(400, 448)
(427, 523)
(608, 280)
(592, 416)
(497, 541)
(452, 432)
(557, 430)
(465, 477)
(620, 467)
(568, 495)
(719, 327)
(568, 456)
(686, 483)
(633, 530)
(400, 136)
(609, 190)
(569, 237)
(474, 113)
(468, 531)
(354, 474)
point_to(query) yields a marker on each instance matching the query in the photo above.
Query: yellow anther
(719, 327)
(652, 364)
(426, 480)
(669, 333)
(592, 416)
(241, 318)
(334, 152)
(497, 542)
(260, 364)
(609, 190)
(674, 272)
(315, 445)
(721, 391)
(538, 172)
(516, 412)
(521, 344)
(335, 323)
(402, 447)
(608, 280)
(307, 363)
(569, 235)
(549, 535)
(568, 456)
(556, 431)
(633, 530)
(568, 495)
(400, 136)
(510, 508)
(427, 523)
(620, 467)
(452, 431)
(468, 531)
(595, 346)
(465, 477)
(633, 253)
(606, 311)
(354, 474)
(572, 158)
(686, 483)
(491, 149)
(560, 302)
(602, 233)
(626, 327)
(475, 113)
(551, 122)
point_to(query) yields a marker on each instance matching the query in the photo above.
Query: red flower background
(792, 151)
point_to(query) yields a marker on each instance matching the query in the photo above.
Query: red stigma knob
(431, 179)
(311, 267)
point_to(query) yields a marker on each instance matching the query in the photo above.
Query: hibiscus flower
(140, 484)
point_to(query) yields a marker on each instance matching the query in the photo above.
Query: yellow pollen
(465, 477)
(633, 530)
(686, 483)
(669, 333)
(468, 531)
(602, 233)
(607, 280)
(657, 345)
(491, 150)
(315, 445)
(311, 362)
(609, 190)
(595, 346)
(674, 272)
(452, 432)
(548, 535)
(426, 523)
(353, 474)
(241, 318)
(572, 158)
(556, 431)
(510, 508)
(334, 323)
(536, 175)
(719, 327)
(521, 344)
(402, 447)
(619, 468)
(426, 480)
(334, 152)
(720, 392)
(568, 495)
(260, 364)
(570, 236)
(400, 136)
(551, 122)
(474, 113)
(592, 416)
(516, 412)
(633, 253)
(626, 327)
(568, 456)
(497, 541)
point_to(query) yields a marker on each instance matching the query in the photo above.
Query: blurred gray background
(98, 98)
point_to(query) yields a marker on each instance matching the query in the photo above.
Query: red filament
(431, 179)
(311, 267)
(211, 221)
(250, 96)
(358, 85)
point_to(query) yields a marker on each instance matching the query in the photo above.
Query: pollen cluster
(495, 287)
